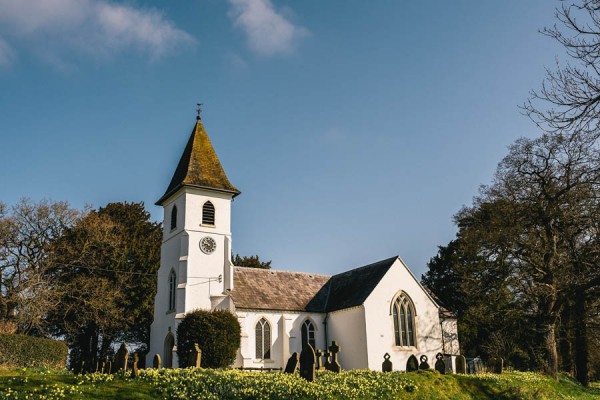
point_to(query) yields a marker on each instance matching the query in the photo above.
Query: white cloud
(93, 26)
(6, 53)
(267, 31)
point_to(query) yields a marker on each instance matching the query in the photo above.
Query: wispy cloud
(6, 53)
(98, 27)
(267, 31)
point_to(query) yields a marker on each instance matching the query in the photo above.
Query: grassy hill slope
(234, 384)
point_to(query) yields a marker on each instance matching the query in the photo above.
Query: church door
(168, 351)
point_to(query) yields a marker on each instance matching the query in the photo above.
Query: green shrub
(217, 333)
(18, 351)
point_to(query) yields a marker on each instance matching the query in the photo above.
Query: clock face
(208, 245)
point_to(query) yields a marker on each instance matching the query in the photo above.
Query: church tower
(195, 264)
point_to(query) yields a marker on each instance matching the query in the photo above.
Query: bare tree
(26, 231)
(569, 99)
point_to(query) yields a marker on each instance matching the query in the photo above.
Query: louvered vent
(208, 213)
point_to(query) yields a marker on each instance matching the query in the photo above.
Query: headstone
(292, 364)
(307, 362)
(496, 365)
(412, 364)
(121, 359)
(107, 367)
(424, 364)
(135, 372)
(319, 355)
(327, 363)
(156, 361)
(82, 368)
(334, 365)
(461, 364)
(440, 365)
(195, 356)
(386, 366)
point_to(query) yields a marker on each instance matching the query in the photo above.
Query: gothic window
(308, 334)
(208, 213)
(172, 290)
(263, 339)
(403, 312)
(174, 217)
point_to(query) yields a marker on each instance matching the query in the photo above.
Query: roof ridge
(368, 265)
(283, 270)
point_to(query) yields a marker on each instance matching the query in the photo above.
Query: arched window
(263, 340)
(308, 334)
(172, 290)
(403, 312)
(208, 213)
(173, 217)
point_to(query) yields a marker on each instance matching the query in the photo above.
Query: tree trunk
(550, 349)
(565, 343)
(581, 340)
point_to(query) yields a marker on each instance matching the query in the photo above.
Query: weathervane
(199, 110)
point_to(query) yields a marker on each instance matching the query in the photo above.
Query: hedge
(19, 351)
(217, 333)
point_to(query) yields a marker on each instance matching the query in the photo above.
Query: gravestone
(496, 365)
(386, 365)
(440, 365)
(334, 365)
(135, 372)
(292, 364)
(327, 363)
(121, 359)
(319, 355)
(156, 361)
(412, 364)
(307, 362)
(424, 364)
(195, 357)
(461, 364)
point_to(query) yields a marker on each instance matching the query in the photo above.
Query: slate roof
(199, 166)
(351, 288)
(266, 289)
(297, 291)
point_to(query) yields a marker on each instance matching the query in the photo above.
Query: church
(370, 310)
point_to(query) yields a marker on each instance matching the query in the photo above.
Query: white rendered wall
(348, 328)
(197, 272)
(286, 336)
(379, 322)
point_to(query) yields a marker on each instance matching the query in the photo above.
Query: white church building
(371, 310)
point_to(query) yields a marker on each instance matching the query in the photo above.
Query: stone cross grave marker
(412, 364)
(327, 363)
(319, 355)
(292, 364)
(440, 365)
(307, 362)
(386, 365)
(334, 365)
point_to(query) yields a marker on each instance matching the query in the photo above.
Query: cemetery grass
(234, 384)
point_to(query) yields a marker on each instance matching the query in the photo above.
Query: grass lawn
(233, 384)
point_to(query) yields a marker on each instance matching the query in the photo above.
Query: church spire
(199, 166)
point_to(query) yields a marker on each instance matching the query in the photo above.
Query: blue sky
(355, 130)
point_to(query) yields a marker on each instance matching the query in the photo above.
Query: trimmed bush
(19, 351)
(217, 333)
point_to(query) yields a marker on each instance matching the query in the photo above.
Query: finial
(198, 110)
